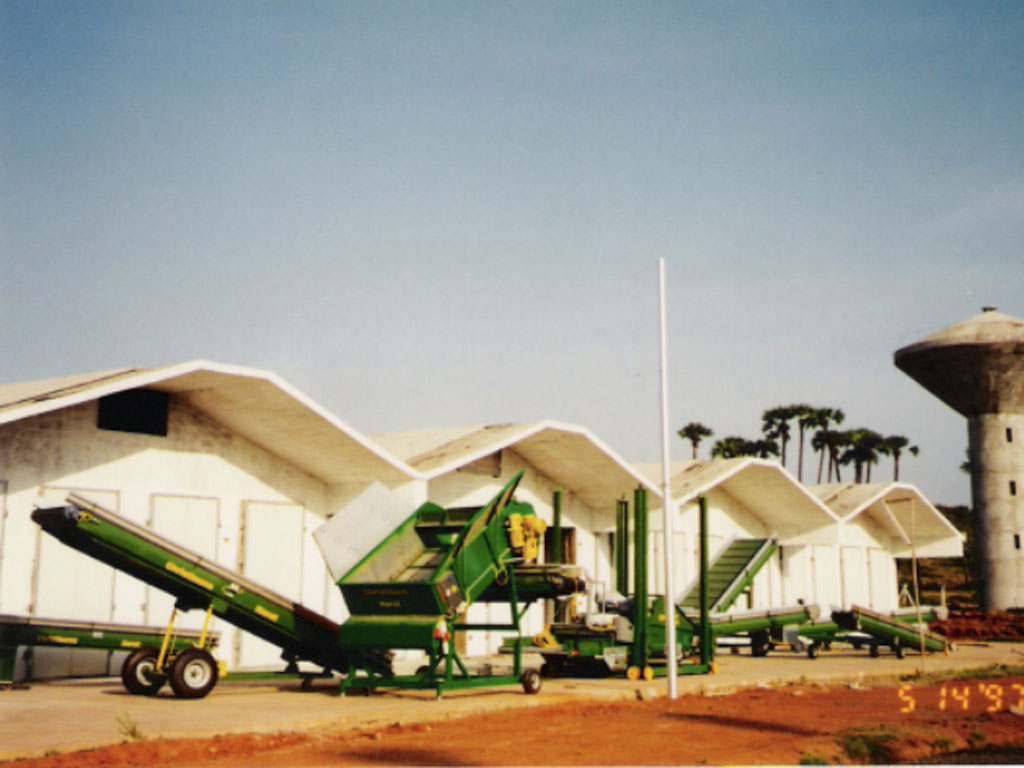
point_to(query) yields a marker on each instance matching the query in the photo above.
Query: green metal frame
(456, 558)
(30, 631)
(745, 580)
(199, 584)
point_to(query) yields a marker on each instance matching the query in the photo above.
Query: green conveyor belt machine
(414, 589)
(197, 583)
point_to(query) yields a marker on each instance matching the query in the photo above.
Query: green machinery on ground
(630, 637)
(861, 627)
(141, 642)
(410, 592)
(413, 590)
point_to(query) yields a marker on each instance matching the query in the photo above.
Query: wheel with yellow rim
(633, 673)
(648, 673)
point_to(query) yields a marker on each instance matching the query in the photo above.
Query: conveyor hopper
(412, 589)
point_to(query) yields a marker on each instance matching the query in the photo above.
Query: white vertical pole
(666, 494)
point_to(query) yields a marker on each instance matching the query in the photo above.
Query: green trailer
(139, 641)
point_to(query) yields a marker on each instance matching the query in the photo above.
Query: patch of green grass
(129, 727)
(981, 673)
(809, 759)
(976, 739)
(942, 744)
(261, 676)
(869, 745)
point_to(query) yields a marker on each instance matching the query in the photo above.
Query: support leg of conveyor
(167, 640)
(206, 626)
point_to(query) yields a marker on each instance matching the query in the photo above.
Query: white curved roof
(255, 404)
(901, 510)
(570, 455)
(762, 487)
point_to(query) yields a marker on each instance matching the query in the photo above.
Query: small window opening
(1016, 541)
(142, 411)
(1013, 487)
(1009, 435)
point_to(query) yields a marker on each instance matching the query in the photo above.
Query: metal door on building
(271, 555)
(882, 576)
(69, 585)
(194, 524)
(856, 590)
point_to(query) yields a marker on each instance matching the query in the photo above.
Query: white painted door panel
(70, 585)
(272, 556)
(192, 523)
(855, 577)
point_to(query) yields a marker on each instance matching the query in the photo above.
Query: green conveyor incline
(892, 630)
(198, 583)
(731, 573)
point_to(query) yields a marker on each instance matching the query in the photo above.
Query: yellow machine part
(525, 533)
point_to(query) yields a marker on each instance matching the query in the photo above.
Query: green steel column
(707, 652)
(556, 534)
(640, 579)
(622, 547)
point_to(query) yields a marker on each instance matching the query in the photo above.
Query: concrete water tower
(977, 368)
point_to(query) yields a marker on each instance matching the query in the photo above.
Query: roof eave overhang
(163, 378)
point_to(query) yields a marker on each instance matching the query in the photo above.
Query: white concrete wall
(868, 568)
(201, 473)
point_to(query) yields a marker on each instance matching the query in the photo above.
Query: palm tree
(894, 445)
(804, 415)
(762, 449)
(862, 448)
(775, 426)
(695, 432)
(824, 418)
(734, 447)
(728, 448)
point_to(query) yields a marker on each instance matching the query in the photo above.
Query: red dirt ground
(887, 724)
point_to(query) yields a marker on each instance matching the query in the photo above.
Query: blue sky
(431, 213)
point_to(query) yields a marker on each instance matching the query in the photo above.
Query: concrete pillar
(996, 447)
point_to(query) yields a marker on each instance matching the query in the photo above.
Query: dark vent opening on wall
(1009, 435)
(142, 411)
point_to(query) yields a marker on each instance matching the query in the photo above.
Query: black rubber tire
(874, 651)
(139, 673)
(194, 674)
(898, 650)
(531, 681)
(759, 644)
(812, 651)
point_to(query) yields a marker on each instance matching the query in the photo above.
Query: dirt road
(790, 709)
(787, 725)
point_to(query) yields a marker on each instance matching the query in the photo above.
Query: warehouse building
(879, 523)
(240, 466)
(233, 463)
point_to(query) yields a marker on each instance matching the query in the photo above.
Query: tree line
(835, 449)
